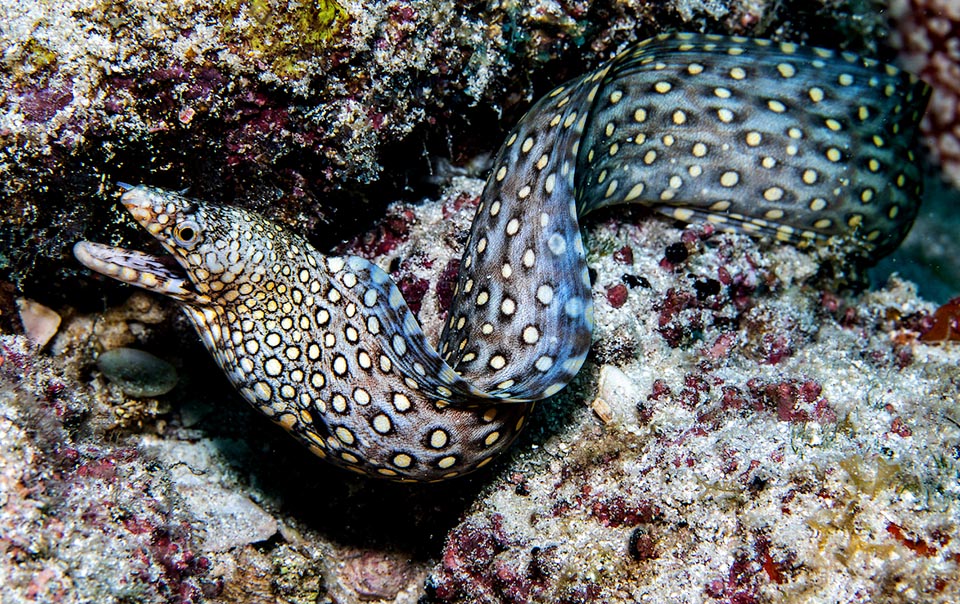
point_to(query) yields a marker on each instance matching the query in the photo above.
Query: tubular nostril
(139, 202)
(135, 196)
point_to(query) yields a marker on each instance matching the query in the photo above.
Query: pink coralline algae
(446, 284)
(617, 295)
(792, 401)
(928, 36)
(413, 289)
(390, 232)
(41, 104)
(747, 575)
(470, 550)
(624, 255)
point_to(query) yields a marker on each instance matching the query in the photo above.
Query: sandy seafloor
(746, 429)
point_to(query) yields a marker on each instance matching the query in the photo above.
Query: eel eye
(186, 234)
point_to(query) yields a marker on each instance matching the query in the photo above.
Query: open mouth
(153, 273)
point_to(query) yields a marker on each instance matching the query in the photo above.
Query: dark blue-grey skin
(803, 145)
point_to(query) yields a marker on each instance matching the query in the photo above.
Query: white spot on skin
(273, 367)
(635, 192)
(361, 396)
(729, 179)
(344, 435)
(438, 439)
(611, 188)
(545, 294)
(557, 244)
(401, 402)
(381, 424)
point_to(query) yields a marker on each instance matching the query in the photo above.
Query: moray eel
(803, 145)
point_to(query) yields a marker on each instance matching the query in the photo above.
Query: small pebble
(614, 390)
(677, 252)
(642, 545)
(624, 255)
(635, 280)
(138, 373)
(706, 288)
(617, 295)
(39, 322)
(375, 575)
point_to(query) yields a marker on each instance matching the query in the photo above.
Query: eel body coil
(802, 145)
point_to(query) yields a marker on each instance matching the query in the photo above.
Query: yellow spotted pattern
(799, 144)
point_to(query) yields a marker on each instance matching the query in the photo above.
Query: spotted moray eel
(802, 145)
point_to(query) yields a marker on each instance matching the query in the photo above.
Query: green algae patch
(28, 62)
(38, 56)
(286, 34)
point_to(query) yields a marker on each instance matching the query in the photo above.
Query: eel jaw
(140, 269)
